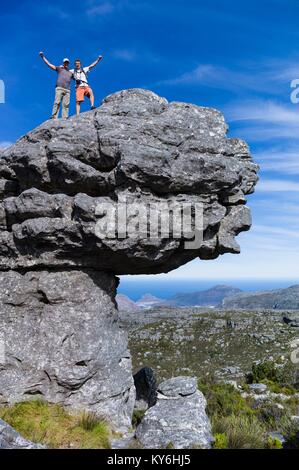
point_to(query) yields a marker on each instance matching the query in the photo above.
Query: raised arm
(42, 55)
(96, 62)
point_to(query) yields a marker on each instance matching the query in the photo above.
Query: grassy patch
(224, 400)
(52, 426)
(137, 417)
(239, 431)
(238, 423)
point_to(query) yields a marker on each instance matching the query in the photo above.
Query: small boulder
(291, 319)
(178, 419)
(178, 387)
(258, 389)
(11, 439)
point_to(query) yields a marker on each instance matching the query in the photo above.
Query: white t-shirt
(80, 77)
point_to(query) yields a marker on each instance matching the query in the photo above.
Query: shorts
(81, 92)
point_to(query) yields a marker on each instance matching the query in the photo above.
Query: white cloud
(281, 160)
(4, 144)
(264, 120)
(277, 185)
(100, 9)
(280, 231)
(261, 110)
(217, 77)
(125, 54)
(268, 77)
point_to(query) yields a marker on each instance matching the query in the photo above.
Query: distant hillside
(149, 301)
(125, 304)
(210, 297)
(279, 299)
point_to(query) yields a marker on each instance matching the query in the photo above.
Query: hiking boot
(92, 108)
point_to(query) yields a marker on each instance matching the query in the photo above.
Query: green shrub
(264, 371)
(221, 441)
(52, 426)
(281, 379)
(242, 432)
(137, 417)
(274, 443)
(224, 400)
(270, 414)
(170, 446)
(293, 440)
(239, 422)
(88, 420)
(275, 387)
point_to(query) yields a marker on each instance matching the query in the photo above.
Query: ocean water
(164, 289)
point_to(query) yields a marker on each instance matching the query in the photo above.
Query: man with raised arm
(63, 87)
(82, 87)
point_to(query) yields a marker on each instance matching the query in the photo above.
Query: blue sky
(238, 57)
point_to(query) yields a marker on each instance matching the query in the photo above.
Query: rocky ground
(244, 364)
(208, 342)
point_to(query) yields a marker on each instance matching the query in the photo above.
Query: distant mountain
(125, 304)
(149, 301)
(279, 299)
(210, 297)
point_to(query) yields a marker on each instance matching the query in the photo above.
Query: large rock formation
(136, 146)
(58, 318)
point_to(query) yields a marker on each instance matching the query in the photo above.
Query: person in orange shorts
(82, 87)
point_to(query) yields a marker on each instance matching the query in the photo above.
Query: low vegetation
(280, 378)
(238, 422)
(52, 426)
(205, 343)
(137, 417)
(240, 431)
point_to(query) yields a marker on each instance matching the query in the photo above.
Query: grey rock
(178, 418)
(146, 388)
(233, 370)
(11, 439)
(258, 389)
(125, 442)
(62, 343)
(178, 387)
(291, 319)
(135, 146)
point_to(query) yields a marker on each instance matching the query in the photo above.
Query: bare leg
(78, 108)
(91, 97)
